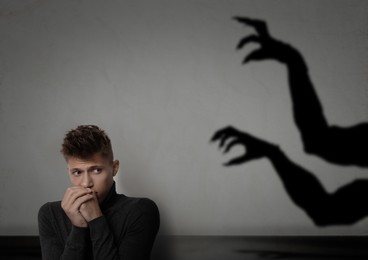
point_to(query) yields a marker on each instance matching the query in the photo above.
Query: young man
(92, 221)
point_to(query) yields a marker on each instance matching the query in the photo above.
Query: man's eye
(97, 170)
(76, 173)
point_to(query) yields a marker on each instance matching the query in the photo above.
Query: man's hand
(74, 198)
(90, 210)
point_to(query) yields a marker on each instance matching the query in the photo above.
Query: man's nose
(87, 181)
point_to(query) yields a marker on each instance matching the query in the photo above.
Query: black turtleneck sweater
(126, 230)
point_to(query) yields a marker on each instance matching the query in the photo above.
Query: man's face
(95, 173)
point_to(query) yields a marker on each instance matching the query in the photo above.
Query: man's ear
(115, 167)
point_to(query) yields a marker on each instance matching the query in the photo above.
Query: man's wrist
(97, 226)
(78, 237)
(96, 216)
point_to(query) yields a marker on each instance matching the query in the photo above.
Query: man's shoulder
(50, 207)
(138, 204)
(50, 212)
(138, 210)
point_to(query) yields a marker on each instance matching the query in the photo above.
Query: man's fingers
(74, 208)
(72, 194)
(77, 191)
(81, 200)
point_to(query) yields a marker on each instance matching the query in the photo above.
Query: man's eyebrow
(94, 167)
(89, 168)
(74, 169)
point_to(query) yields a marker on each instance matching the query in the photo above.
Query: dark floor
(260, 247)
(222, 248)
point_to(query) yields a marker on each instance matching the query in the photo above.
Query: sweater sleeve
(138, 234)
(52, 247)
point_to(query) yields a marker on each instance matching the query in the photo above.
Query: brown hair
(85, 141)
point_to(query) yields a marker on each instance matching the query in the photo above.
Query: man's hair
(85, 141)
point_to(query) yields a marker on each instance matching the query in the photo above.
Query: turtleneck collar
(110, 198)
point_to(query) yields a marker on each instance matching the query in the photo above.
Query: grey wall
(160, 77)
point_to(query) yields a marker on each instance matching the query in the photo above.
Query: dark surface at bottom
(260, 247)
(222, 247)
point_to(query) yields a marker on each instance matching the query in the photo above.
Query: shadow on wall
(338, 145)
